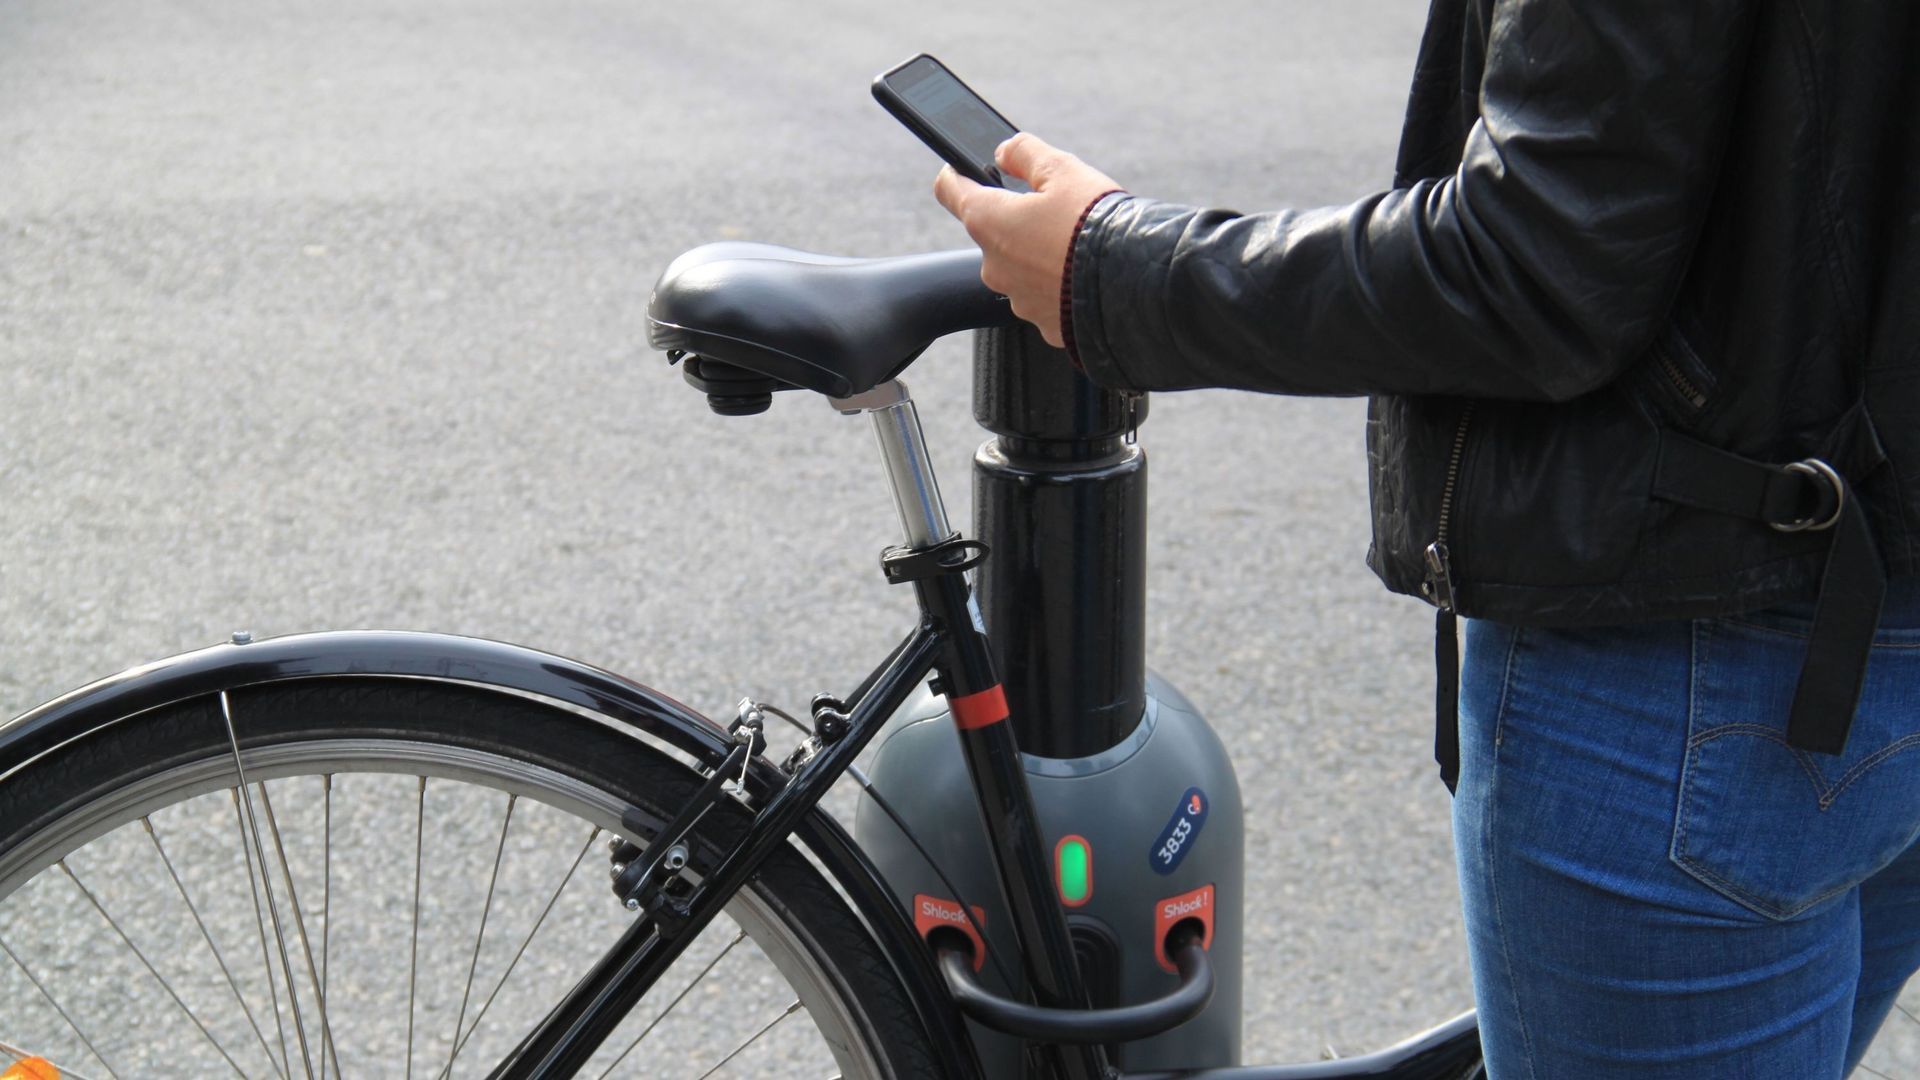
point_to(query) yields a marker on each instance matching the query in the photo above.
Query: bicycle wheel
(411, 875)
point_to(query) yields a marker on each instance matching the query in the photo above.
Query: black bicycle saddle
(755, 318)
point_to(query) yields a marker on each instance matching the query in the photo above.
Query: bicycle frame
(948, 644)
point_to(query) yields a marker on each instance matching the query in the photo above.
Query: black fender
(477, 662)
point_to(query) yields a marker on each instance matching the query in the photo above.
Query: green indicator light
(1073, 865)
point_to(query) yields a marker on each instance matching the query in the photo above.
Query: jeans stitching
(1682, 811)
(1821, 790)
(1827, 794)
(1752, 901)
(1493, 862)
(1506, 686)
(1870, 761)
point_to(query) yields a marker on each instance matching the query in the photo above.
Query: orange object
(32, 1068)
(1196, 906)
(932, 913)
(989, 706)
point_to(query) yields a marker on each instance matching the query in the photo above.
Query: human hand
(1025, 238)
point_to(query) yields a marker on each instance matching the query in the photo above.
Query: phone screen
(950, 106)
(957, 115)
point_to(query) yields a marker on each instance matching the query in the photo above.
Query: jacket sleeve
(1539, 270)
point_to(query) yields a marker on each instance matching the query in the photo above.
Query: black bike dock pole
(1133, 793)
(1060, 498)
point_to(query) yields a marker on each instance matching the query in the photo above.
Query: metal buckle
(1819, 470)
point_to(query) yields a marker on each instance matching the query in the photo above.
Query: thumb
(1028, 157)
(962, 196)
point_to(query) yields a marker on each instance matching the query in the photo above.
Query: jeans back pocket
(1779, 830)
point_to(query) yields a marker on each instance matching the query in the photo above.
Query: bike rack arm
(1122, 1024)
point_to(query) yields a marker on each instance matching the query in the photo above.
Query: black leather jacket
(1614, 222)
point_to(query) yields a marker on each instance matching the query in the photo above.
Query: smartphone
(949, 117)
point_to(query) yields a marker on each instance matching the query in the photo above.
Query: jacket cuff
(1066, 280)
(1102, 295)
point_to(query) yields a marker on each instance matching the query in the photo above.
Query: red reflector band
(989, 706)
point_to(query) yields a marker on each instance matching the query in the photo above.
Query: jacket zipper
(1680, 381)
(1439, 584)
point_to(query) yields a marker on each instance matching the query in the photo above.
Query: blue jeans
(1655, 884)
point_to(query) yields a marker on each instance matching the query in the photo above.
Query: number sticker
(1182, 830)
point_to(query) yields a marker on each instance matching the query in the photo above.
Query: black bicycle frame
(950, 645)
(947, 645)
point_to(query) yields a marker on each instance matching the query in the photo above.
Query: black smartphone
(949, 117)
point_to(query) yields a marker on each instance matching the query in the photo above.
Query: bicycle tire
(167, 762)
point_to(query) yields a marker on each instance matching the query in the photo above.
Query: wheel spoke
(300, 926)
(521, 951)
(466, 995)
(148, 964)
(664, 1013)
(207, 936)
(57, 1007)
(754, 1038)
(260, 930)
(413, 965)
(266, 882)
(326, 905)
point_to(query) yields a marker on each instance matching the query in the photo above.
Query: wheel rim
(85, 870)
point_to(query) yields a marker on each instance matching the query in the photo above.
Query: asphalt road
(319, 316)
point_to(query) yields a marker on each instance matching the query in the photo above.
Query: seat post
(1060, 499)
(903, 448)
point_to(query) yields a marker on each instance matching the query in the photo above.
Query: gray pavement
(319, 316)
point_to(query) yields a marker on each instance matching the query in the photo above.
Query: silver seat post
(903, 446)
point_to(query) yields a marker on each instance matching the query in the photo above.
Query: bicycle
(193, 752)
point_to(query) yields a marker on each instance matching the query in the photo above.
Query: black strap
(1804, 496)
(1851, 591)
(1708, 478)
(1446, 697)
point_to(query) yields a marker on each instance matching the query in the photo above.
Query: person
(1640, 323)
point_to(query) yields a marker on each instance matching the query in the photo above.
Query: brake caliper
(648, 879)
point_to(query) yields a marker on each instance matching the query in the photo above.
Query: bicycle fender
(405, 654)
(508, 668)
